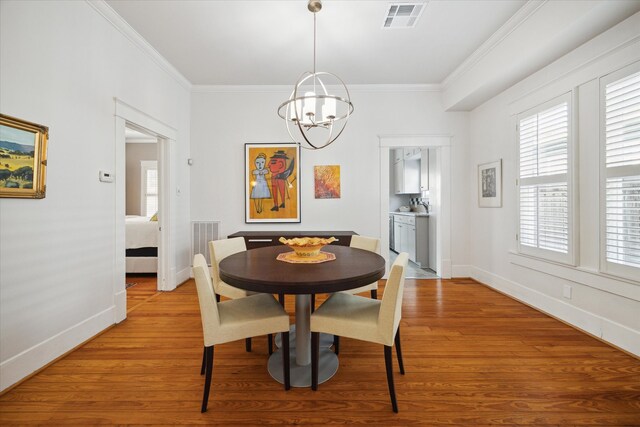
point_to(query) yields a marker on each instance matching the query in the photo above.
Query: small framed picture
(23, 158)
(272, 182)
(490, 185)
(326, 182)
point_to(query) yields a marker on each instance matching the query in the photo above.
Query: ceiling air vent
(403, 15)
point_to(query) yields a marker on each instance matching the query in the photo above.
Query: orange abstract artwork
(327, 181)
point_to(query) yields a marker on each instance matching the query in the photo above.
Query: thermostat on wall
(106, 176)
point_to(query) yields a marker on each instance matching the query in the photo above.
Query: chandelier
(314, 116)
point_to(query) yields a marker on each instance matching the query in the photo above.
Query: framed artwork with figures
(490, 185)
(272, 182)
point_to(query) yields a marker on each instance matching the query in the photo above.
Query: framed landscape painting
(272, 182)
(490, 185)
(23, 158)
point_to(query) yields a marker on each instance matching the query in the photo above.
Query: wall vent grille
(202, 232)
(403, 15)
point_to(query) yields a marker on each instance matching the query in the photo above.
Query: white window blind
(622, 165)
(543, 135)
(149, 186)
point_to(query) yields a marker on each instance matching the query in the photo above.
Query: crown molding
(520, 17)
(289, 88)
(132, 35)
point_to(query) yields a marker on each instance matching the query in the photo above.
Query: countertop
(409, 213)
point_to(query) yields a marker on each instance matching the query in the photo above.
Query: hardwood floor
(472, 357)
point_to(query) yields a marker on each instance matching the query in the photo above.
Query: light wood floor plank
(472, 357)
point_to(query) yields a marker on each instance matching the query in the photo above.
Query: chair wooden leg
(313, 302)
(399, 351)
(374, 294)
(388, 362)
(247, 344)
(281, 299)
(270, 343)
(207, 380)
(315, 348)
(285, 360)
(204, 360)
(336, 344)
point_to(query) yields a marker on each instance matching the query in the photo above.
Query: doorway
(413, 201)
(127, 116)
(142, 208)
(440, 200)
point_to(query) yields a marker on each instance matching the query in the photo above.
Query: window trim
(571, 257)
(607, 267)
(146, 165)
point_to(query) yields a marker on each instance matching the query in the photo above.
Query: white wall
(223, 120)
(603, 306)
(61, 65)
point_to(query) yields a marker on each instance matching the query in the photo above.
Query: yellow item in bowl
(306, 247)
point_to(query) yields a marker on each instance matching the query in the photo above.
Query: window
(620, 184)
(544, 186)
(149, 186)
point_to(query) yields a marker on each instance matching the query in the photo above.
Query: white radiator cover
(202, 232)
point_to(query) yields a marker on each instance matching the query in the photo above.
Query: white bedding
(140, 232)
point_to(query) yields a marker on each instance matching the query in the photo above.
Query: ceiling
(271, 42)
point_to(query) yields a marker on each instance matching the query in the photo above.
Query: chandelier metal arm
(321, 110)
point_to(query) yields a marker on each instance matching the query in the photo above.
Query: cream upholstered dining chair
(368, 244)
(219, 250)
(364, 319)
(236, 319)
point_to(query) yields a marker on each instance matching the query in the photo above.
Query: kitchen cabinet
(407, 177)
(424, 169)
(410, 153)
(398, 154)
(411, 235)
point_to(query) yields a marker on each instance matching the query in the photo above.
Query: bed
(141, 244)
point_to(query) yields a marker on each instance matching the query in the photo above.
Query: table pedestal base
(326, 340)
(301, 375)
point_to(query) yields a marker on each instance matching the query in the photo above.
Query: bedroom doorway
(141, 209)
(127, 116)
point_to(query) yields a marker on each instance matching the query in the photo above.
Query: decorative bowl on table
(307, 247)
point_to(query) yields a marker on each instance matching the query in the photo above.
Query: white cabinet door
(398, 154)
(409, 241)
(411, 176)
(397, 236)
(398, 174)
(424, 170)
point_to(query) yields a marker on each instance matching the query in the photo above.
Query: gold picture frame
(23, 158)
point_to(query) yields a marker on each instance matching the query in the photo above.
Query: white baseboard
(446, 269)
(460, 271)
(120, 301)
(21, 365)
(605, 329)
(183, 275)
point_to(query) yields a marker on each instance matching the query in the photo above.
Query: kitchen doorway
(413, 177)
(438, 197)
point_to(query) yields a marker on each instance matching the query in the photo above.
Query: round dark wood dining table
(258, 270)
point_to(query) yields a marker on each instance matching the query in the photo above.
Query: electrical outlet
(566, 291)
